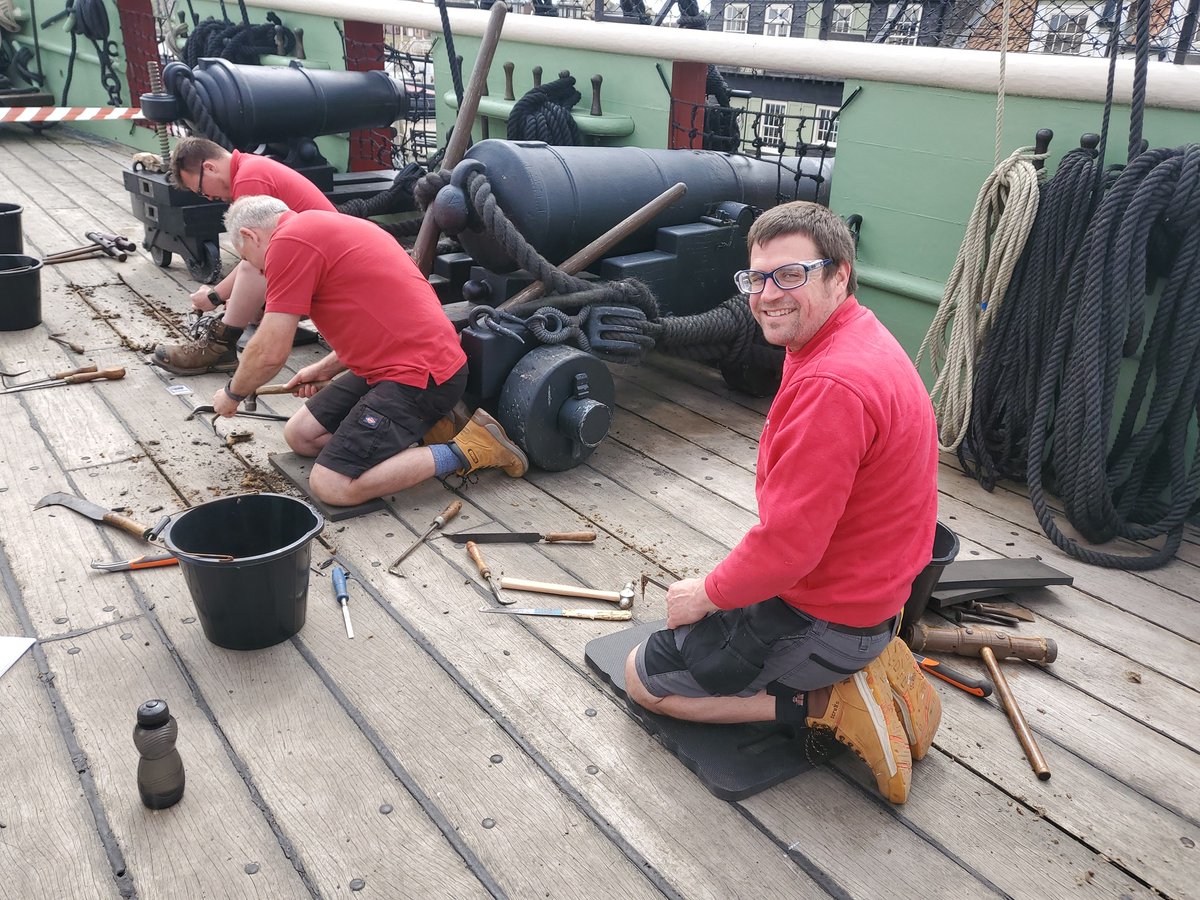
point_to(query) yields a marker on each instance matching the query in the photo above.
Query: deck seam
(66, 728)
(556, 778)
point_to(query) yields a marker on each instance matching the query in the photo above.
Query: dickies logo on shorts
(370, 420)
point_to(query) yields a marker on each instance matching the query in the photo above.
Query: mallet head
(626, 601)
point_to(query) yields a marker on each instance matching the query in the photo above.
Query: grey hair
(257, 211)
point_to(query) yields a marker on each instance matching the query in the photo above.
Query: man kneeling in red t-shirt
(384, 323)
(797, 623)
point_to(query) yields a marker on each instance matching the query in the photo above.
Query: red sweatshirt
(846, 481)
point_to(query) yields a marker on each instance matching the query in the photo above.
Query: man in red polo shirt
(797, 623)
(208, 169)
(385, 324)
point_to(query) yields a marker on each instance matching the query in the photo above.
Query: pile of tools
(115, 246)
(70, 376)
(623, 599)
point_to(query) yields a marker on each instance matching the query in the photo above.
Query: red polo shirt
(250, 175)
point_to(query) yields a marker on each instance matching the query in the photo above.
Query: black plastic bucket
(12, 239)
(20, 292)
(945, 548)
(260, 596)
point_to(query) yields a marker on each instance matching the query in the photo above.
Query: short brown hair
(824, 228)
(191, 153)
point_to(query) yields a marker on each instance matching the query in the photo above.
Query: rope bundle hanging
(1140, 488)
(996, 234)
(239, 43)
(544, 114)
(89, 19)
(1010, 361)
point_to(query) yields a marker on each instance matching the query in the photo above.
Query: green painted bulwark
(632, 87)
(911, 161)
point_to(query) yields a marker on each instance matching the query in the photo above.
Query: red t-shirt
(846, 481)
(364, 294)
(250, 175)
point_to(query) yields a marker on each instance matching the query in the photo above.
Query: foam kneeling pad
(733, 761)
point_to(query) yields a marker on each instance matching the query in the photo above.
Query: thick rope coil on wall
(240, 43)
(544, 114)
(1010, 360)
(996, 234)
(1146, 227)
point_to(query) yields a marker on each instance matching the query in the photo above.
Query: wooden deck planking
(520, 687)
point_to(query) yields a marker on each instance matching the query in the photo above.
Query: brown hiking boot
(444, 429)
(213, 350)
(862, 715)
(918, 704)
(486, 446)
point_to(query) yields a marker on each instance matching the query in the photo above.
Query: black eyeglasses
(787, 277)
(200, 183)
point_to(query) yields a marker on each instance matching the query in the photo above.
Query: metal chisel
(486, 571)
(599, 615)
(521, 537)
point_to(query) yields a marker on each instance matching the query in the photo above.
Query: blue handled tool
(343, 597)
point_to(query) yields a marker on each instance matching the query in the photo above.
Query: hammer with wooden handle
(623, 598)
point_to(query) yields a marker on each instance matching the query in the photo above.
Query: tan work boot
(213, 350)
(918, 704)
(862, 715)
(444, 429)
(486, 446)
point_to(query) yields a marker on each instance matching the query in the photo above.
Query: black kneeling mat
(295, 468)
(733, 761)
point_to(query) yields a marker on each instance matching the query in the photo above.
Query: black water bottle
(160, 770)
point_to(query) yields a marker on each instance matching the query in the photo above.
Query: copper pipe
(1028, 743)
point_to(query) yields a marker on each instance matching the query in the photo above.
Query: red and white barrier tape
(69, 113)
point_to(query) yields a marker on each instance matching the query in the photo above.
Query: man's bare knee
(332, 488)
(634, 688)
(301, 443)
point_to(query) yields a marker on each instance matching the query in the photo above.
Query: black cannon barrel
(561, 198)
(262, 104)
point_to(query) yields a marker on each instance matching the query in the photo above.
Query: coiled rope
(1011, 358)
(1148, 224)
(544, 114)
(996, 234)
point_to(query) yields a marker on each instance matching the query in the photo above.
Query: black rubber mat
(295, 468)
(732, 761)
(999, 573)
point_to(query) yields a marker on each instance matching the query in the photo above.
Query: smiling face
(790, 318)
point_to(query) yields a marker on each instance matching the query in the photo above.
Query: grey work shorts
(712, 657)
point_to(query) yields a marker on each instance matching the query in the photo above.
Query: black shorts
(371, 423)
(739, 652)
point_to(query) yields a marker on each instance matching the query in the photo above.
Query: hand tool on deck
(138, 562)
(108, 244)
(967, 641)
(460, 137)
(486, 571)
(64, 342)
(452, 509)
(623, 598)
(113, 374)
(250, 404)
(967, 613)
(937, 668)
(97, 513)
(208, 408)
(66, 373)
(520, 537)
(343, 598)
(598, 615)
(1028, 743)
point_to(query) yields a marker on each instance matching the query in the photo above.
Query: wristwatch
(214, 298)
(236, 398)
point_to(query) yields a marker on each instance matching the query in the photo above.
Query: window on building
(825, 126)
(570, 10)
(769, 127)
(848, 18)
(778, 21)
(907, 26)
(737, 15)
(1065, 30)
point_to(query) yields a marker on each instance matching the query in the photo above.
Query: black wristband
(214, 298)
(237, 398)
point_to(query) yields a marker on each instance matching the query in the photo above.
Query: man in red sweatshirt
(797, 623)
(385, 324)
(208, 169)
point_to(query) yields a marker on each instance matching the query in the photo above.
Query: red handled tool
(139, 562)
(978, 687)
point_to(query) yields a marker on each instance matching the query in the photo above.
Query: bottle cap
(153, 714)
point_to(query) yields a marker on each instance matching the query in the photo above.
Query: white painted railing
(1027, 74)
